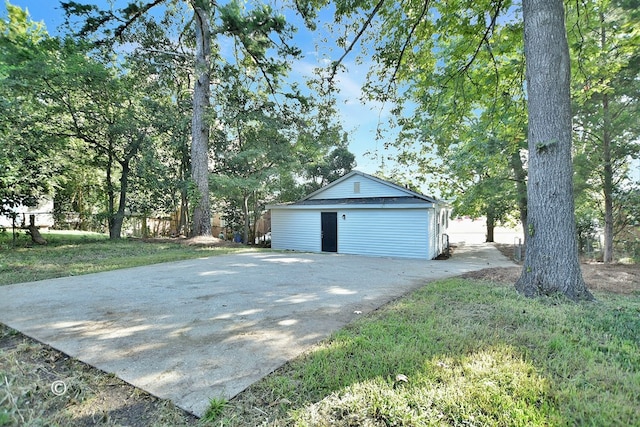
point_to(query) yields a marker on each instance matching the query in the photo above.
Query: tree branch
(485, 37)
(336, 64)
(407, 40)
(79, 133)
(135, 16)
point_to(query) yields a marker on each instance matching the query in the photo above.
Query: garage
(362, 214)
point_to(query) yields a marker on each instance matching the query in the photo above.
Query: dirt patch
(615, 278)
(499, 275)
(205, 242)
(42, 386)
(200, 241)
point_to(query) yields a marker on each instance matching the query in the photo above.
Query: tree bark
(551, 264)
(199, 126)
(253, 231)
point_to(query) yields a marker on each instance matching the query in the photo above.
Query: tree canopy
(155, 103)
(27, 147)
(107, 113)
(461, 66)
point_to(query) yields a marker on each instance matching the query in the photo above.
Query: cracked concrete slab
(193, 330)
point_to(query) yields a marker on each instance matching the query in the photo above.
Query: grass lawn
(463, 352)
(71, 254)
(456, 352)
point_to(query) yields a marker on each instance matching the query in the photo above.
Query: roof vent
(356, 187)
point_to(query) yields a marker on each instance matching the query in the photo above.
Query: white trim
(373, 178)
(357, 206)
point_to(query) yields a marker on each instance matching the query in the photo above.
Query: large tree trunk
(199, 126)
(551, 264)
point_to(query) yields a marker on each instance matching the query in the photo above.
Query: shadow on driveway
(193, 330)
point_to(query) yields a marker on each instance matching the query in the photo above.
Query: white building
(43, 215)
(364, 215)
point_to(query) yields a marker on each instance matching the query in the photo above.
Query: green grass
(473, 353)
(71, 254)
(215, 409)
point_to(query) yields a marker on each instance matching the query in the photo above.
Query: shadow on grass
(77, 253)
(470, 353)
(42, 386)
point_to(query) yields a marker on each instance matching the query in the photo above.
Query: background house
(364, 215)
(43, 213)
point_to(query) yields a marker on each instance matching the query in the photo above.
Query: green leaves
(461, 68)
(605, 43)
(27, 166)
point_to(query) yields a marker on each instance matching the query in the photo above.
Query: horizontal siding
(368, 188)
(404, 233)
(295, 230)
(385, 232)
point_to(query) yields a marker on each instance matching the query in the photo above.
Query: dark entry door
(329, 231)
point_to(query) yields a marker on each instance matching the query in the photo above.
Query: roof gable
(359, 185)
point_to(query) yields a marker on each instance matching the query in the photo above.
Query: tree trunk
(184, 208)
(551, 264)
(256, 217)
(608, 182)
(521, 185)
(110, 195)
(245, 214)
(199, 126)
(36, 237)
(115, 231)
(184, 196)
(491, 225)
(607, 170)
(145, 227)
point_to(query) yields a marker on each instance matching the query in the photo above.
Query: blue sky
(361, 121)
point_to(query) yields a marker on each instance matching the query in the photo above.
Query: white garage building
(364, 215)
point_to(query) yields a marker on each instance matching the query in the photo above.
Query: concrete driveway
(193, 330)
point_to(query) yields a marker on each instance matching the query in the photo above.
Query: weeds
(215, 409)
